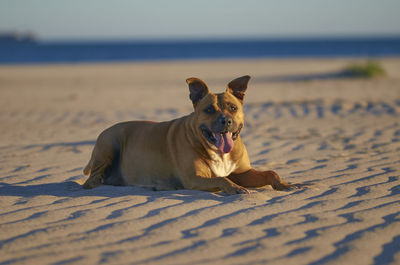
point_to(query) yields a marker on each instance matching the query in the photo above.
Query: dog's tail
(88, 167)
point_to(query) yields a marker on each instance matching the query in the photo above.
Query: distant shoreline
(221, 39)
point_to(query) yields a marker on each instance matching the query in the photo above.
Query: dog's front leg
(254, 179)
(214, 184)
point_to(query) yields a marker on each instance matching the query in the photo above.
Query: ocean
(29, 52)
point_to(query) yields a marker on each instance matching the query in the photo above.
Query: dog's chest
(222, 166)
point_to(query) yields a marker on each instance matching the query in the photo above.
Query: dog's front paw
(235, 189)
(282, 185)
(277, 183)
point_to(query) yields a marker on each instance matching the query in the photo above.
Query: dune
(340, 136)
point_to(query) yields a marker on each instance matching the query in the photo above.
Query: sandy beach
(340, 135)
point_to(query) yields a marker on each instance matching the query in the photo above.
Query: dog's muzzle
(223, 140)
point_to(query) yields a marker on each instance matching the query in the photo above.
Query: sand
(341, 136)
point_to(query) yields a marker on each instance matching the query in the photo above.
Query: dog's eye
(210, 110)
(233, 108)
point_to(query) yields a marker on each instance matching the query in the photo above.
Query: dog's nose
(224, 120)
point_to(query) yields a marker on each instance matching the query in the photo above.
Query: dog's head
(219, 117)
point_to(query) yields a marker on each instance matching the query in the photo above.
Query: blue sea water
(75, 52)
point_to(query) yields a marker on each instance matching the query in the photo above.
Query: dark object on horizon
(15, 38)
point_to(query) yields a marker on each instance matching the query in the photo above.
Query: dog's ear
(238, 87)
(198, 89)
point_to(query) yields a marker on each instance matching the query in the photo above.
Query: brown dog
(201, 151)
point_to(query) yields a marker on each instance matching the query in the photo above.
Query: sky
(189, 19)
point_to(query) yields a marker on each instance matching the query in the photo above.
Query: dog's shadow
(73, 189)
(57, 189)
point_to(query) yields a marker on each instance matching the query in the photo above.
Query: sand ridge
(345, 145)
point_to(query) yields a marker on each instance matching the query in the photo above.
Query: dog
(200, 151)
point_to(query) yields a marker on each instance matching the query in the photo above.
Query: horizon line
(176, 39)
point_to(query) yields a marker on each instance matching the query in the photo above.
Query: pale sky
(169, 19)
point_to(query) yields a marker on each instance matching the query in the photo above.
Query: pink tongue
(224, 142)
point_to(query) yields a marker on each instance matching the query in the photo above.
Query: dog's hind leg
(96, 177)
(88, 169)
(101, 160)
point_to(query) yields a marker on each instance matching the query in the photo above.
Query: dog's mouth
(222, 140)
